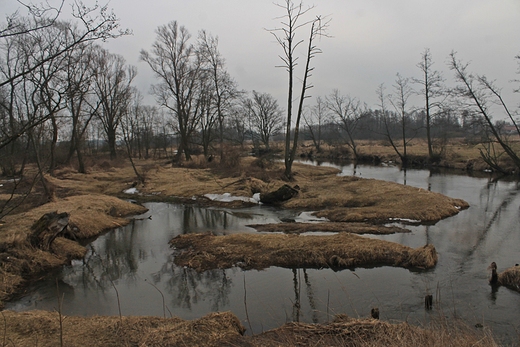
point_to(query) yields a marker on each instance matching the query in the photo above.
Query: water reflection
(137, 261)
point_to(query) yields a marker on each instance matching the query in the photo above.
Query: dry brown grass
(353, 228)
(91, 214)
(458, 153)
(510, 277)
(344, 331)
(339, 198)
(353, 199)
(41, 328)
(253, 251)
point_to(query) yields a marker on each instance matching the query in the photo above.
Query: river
(130, 270)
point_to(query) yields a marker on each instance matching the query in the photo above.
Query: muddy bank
(353, 228)
(22, 262)
(252, 251)
(42, 328)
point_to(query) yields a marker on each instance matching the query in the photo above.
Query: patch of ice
(227, 197)
(131, 191)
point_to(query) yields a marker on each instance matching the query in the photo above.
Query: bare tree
(223, 86)
(485, 99)
(286, 38)
(175, 62)
(237, 125)
(399, 100)
(208, 108)
(265, 116)
(431, 89)
(387, 118)
(98, 24)
(93, 23)
(347, 112)
(112, 85)
(82, 104)
(318, 117)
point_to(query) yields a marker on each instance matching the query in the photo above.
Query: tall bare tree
(431, 85)
(82, 104)
(112, 85)
(178, 66)
(223, 86)
(292, 21)
(399, 100)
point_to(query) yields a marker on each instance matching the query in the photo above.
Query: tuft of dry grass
(510, 277)
(253, 251)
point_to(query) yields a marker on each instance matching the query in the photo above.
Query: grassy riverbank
(48, 329)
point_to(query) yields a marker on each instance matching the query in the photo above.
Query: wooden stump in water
(48, 228)
(428, 302)
(375, 313)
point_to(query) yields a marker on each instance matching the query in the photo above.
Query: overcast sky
(370, 40)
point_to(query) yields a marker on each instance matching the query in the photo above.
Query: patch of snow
(131, 191)
(227, 197)
(306, 217)
(405, 220)
(256, 197)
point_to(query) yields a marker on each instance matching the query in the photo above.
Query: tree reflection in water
(187, 287)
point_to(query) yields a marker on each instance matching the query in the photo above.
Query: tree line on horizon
(63, 96)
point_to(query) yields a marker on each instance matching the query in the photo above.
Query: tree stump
(428, 302)
(280, 195)
(374, 313)
(48, 228)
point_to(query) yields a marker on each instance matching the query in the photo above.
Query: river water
(130, 270)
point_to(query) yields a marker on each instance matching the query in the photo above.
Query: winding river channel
(131, 269)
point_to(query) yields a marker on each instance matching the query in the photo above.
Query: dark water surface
(137, 261)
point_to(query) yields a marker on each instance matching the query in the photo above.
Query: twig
(60, 306)
(245, 305)
(163, 302)
(5, 329)
(118, 303)
(328, 303)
